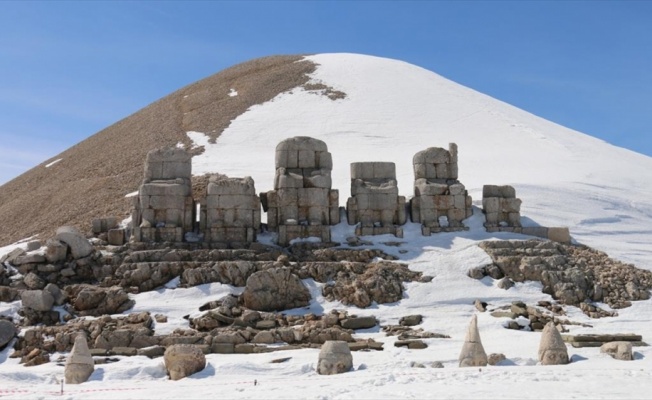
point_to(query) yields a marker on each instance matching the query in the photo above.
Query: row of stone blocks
(303, 204)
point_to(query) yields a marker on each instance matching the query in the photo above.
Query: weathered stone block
(491, 205)
(504, 191)
(557, 234)
(116, 237)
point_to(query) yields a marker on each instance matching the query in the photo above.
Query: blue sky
(69, 69)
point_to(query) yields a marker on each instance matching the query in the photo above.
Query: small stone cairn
(374, 203)
(473, 354)
(302, 203)
(440, 201)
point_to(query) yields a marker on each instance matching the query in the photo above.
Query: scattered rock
(437, 364)
(618, 350)
(275, 289)
(80, 247)
(411, 320)
(7, 333)
(480, 305)
(334, 358)
(96, 301)
(411, 344)
(505, 283)
(37, 300)
(183, 360)
(495, 358)
(359, 322)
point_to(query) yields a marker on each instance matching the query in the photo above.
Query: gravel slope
(93, 176)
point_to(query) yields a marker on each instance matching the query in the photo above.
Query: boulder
(12, 255)
(411, 320)
(182, 360)
(359, 322)
(57, 294)
(93, 300)
(55, 251)
(505, 283)
(38, 300)
(617, 350)
(495, 358)
(80, 247)
(33, 281)
(334, 358)
(7, 332)
(275, 289)
(552, 349)
(473, 354)
(79, 365)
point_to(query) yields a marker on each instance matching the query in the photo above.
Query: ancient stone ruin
(232, 211)
(164, 208)
(501, 207)
(302, 203)
(440, 201)
(374, 203)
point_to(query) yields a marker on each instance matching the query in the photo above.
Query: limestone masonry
(304, 205)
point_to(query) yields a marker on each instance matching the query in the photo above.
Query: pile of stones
(573, 275)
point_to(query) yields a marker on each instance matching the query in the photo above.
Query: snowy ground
(393, 110)
(447, 305)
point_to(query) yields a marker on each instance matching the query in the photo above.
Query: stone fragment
(12, 255)
(505, 283)
(411, 320)
(80, 247)
(7, 332)
(473, 354)
(33, 281)
(275, 289)
(552, 349)
(617, 350)
(79, 365)
(116, 237)
(183, 360)
(334, 358)
(58, 296)
(55, 251)
(480, 305)
(495, 358)
(561, 235)
(38, 300)
(359, 322)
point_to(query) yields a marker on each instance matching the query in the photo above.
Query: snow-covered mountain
(387, 110)
(393, 109)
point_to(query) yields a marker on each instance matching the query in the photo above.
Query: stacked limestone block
(501, 207)
(232, 211)
(440, 201)
(302, 203)
(164, 206)
(374, 203)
